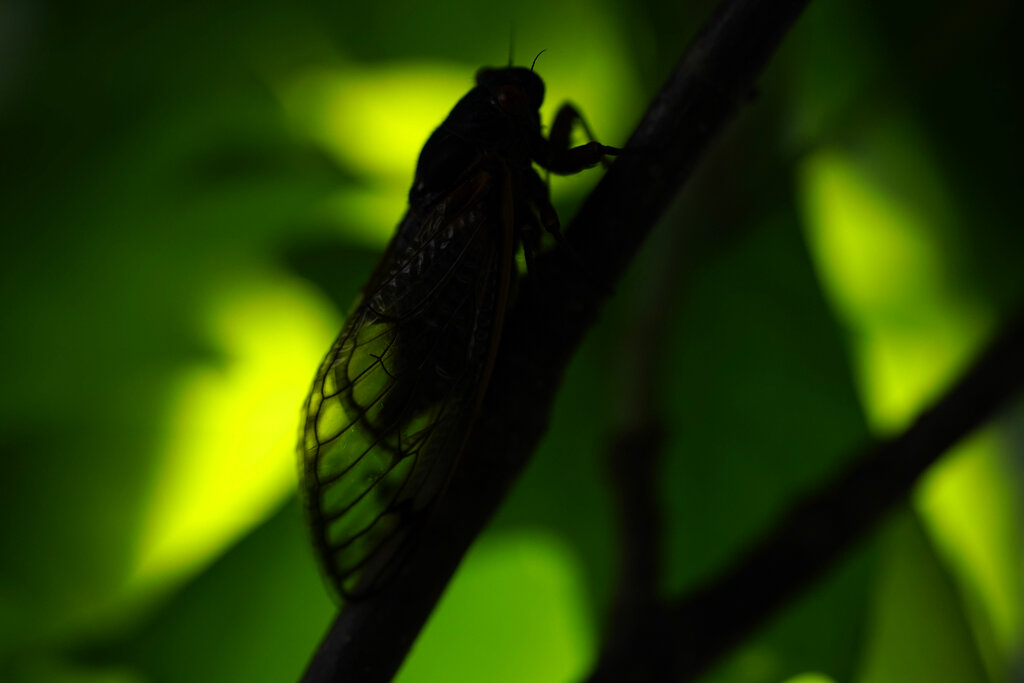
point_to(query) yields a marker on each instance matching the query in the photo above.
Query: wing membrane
(394, 399)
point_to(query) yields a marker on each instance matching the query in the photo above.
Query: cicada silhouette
(395, 400)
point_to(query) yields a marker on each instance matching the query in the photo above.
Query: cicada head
(515, 90)
(501, 112)
(499, 118)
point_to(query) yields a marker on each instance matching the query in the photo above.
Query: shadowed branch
(818, 532)
(369, 639)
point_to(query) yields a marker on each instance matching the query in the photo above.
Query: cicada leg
(565, 160)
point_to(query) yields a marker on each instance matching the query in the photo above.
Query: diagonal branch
(369, 640)
(686, 637)
(822, 528)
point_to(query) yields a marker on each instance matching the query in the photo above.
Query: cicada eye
(512, 99)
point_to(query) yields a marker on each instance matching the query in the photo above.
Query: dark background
(191, 196)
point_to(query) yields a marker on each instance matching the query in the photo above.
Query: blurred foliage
(192, 194)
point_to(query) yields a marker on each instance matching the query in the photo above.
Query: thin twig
(635, 458)
(369, 640)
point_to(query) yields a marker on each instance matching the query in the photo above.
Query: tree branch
(819, 531)
(685, 638)
(369, 640)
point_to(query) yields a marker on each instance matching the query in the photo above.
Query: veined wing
(395, 398)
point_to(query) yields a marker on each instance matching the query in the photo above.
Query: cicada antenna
(536, 58)
(511, 44)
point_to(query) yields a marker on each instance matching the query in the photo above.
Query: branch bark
(369, 640)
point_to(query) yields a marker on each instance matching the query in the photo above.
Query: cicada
(394, 402)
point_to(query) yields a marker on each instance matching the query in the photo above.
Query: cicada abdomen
(394, 401)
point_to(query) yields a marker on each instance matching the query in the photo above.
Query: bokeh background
(192, 193)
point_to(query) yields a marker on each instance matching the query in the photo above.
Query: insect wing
(394, 399)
